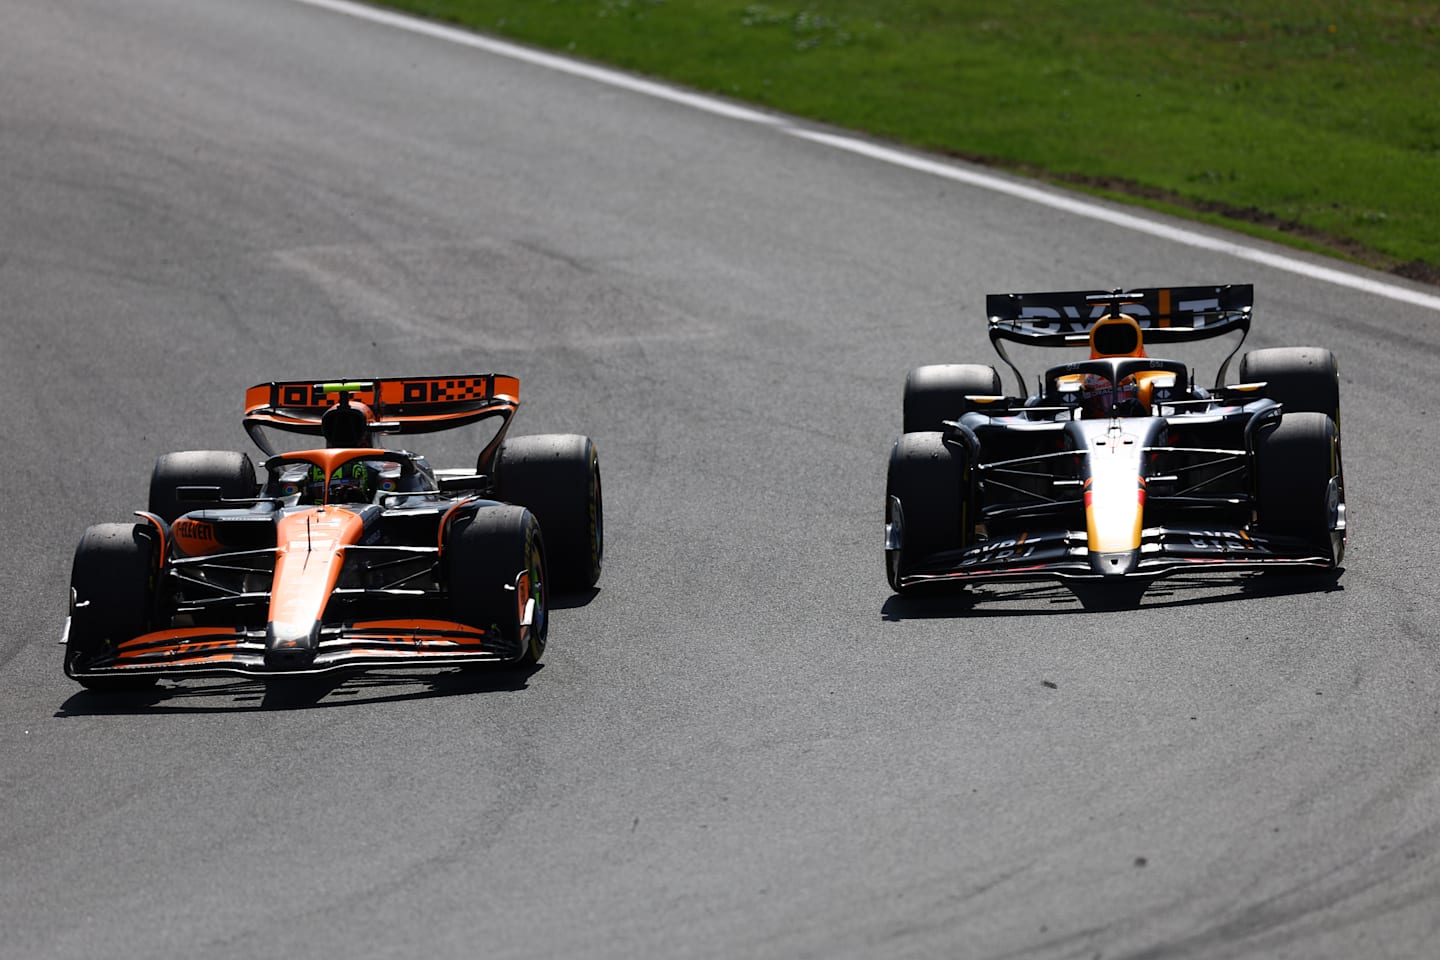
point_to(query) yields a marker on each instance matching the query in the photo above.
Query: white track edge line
(549, 61)
(1129, 221)
(894, 157)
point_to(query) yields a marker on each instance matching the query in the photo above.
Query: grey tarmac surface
(741, 744)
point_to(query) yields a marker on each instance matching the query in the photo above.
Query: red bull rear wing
(1165, 314)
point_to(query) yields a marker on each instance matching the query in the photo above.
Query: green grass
(1313, 122)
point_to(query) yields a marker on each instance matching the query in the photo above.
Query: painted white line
(1129, 221)
(549, 61)
(1071, 205)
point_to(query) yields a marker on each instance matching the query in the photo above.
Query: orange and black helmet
(347, 424)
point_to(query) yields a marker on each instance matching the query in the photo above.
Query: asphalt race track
(741, 745)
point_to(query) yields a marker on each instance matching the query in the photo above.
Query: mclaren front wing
(366, 645)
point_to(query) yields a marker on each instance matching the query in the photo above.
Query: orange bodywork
(311, 545)
(188, 642)
(443, 398)
(329, 460)
(309, 553)
(1124, 513)
(195, 538)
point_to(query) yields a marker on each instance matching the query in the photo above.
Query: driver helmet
(1099, 398)
(354, 482)
(1096, 397)
(347, 425)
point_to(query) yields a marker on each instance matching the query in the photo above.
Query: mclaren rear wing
(397, 404)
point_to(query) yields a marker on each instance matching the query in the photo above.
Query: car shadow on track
(241, 695)
(1051, 599)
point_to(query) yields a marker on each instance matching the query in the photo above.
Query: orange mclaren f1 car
(343, 557)
(1119, 468)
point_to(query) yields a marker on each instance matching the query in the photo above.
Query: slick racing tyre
(1298, 480)
(937, 392)
(496, 572)
(1302, 378)
(927, 502)
(112, 597)
(232, 472)
(557, 476)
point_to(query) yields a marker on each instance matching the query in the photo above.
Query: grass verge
(1314, 123)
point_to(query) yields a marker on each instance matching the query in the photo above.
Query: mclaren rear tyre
(1298, 481)
(557, 476)
(497, 579)
(927, 502)
(231, 472)
(937, 392)
(112, 584)
(1304, 379)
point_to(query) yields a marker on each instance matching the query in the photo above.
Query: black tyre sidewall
(557, 477)
(483, 557)
(1303, 379)
(937, 392)
(929, 479)
(232, 472)
(113, 579)
(1294, 463)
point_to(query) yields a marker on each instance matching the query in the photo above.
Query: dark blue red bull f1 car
(1120, 467)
